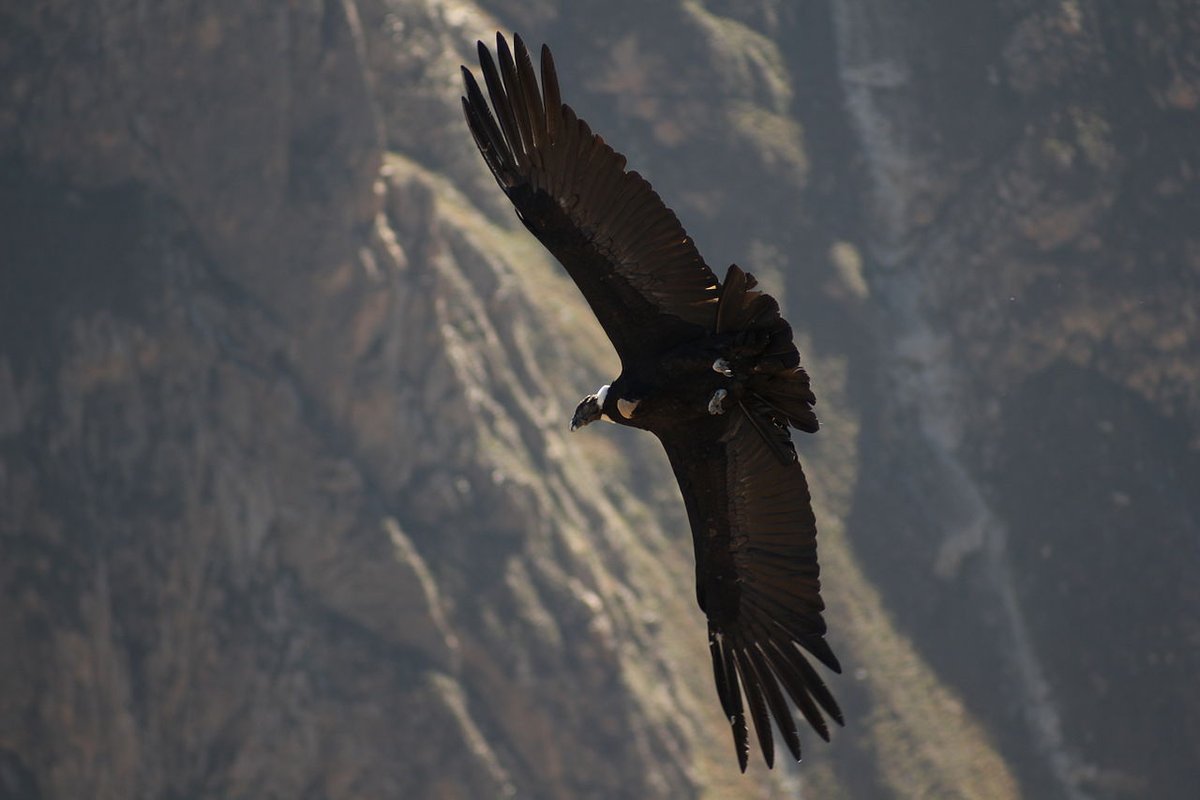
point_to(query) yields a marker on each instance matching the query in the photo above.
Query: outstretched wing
(757, 579)
(627, 252)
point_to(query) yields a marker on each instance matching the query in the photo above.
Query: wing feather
(552, 101)
(623, 247)
(789, 675)
(516, 97)
(752, 685)
(723, 679)
(768, 679)
(488, 136)
(737, 721)
(513, 154)
(531, 98)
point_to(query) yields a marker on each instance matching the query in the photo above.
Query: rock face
(287, 503)
(1033, 197)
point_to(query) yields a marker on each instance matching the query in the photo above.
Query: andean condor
(708, 367)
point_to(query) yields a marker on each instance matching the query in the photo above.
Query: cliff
(288, 507)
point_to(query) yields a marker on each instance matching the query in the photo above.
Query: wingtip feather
(756, 702)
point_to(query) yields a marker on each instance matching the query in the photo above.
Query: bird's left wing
(627, 252)
(757, 578)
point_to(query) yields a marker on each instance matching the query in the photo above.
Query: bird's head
(590, 409)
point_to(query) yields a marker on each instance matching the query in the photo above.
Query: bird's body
(708, 366)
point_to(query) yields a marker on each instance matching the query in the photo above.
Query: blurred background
(288, 506)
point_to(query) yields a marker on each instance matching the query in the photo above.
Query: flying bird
(707, 366)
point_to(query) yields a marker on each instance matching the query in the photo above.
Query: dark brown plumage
(709, 367)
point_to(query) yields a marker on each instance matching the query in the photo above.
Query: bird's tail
(778, 386)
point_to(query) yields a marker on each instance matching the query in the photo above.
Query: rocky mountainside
(288, 507)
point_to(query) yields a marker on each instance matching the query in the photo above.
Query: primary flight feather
(707, 366)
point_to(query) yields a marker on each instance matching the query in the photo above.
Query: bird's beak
(587, 412)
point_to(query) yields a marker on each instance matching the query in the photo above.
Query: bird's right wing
(626, 251)
(757, 578)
